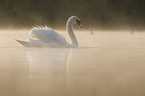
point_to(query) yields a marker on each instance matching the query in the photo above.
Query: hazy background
(97, 14)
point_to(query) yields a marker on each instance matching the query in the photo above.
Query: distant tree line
(54, 13)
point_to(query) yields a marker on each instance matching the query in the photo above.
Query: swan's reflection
(48, 70)
(46, 60)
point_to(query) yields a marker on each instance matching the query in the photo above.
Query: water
(105, 64)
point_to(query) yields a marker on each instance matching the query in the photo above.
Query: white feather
(49, 38)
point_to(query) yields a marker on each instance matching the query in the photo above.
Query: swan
(46, 37)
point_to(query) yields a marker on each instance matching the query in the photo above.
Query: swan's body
(49, 38)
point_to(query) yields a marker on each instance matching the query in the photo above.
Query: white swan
(49, 38)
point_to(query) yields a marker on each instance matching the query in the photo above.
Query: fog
(106, 63)
(96, 14)
(109, 59)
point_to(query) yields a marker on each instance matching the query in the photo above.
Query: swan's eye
(78, 22)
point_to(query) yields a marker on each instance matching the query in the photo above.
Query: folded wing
(47, 35)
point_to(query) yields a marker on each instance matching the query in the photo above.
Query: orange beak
(81, 26)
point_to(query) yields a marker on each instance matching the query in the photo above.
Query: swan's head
(76, 20)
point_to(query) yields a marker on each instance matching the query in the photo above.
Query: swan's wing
(47, 35)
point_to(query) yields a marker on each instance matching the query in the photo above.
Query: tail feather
(24, 43)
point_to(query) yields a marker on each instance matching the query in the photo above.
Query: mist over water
(108, 62)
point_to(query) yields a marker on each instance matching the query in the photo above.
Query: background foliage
(93, 13)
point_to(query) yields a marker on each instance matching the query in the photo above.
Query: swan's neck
(71, 33)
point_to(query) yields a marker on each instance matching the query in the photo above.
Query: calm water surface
(105, 64)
